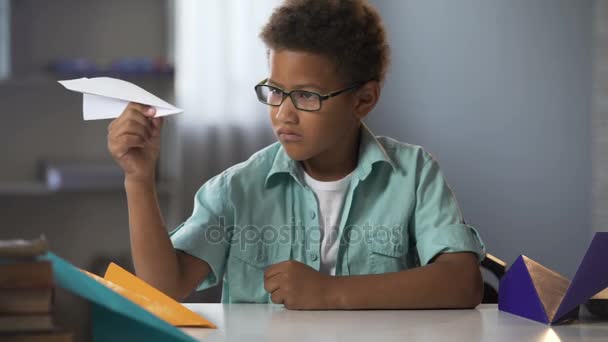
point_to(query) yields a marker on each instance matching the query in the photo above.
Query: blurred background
(511, 96)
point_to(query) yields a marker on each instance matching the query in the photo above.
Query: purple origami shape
(530, 290)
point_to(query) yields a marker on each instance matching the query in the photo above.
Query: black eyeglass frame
(288, 94)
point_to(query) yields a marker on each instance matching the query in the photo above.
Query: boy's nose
(287, 112)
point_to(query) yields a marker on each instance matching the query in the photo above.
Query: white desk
(258, 322)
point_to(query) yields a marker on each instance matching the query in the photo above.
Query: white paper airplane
(106, 97)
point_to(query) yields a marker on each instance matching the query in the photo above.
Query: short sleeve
(205, 234)
(437, 225)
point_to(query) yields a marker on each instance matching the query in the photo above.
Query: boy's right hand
(134, 141)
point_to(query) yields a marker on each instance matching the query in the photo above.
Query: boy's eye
(274, 95)
(305, 95)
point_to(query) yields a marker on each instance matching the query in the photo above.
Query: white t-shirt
(330, 198)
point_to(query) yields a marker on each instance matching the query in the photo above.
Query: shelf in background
(44, 79)
(31, 188)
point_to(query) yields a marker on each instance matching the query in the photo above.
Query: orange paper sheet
(151, 299)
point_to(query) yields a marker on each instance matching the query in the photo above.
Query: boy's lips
(288, 135)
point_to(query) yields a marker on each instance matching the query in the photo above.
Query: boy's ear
(366, 98)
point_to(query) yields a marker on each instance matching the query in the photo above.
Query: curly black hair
(349, 32)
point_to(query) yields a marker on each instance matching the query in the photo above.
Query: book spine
(26, 275)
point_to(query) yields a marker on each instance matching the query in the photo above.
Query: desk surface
(259, 322)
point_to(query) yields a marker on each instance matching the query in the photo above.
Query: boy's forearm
(154, 258)
(440, 285)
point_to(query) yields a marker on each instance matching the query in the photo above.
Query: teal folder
(114, 317)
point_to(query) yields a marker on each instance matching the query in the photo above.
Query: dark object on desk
(497, 267)
(598, 304)
(533, 291)
(26, 293)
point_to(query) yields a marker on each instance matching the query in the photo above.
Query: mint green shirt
(398, 213)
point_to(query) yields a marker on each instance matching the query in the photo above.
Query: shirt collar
(370, 153)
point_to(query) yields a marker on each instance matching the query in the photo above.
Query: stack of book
(26, 293)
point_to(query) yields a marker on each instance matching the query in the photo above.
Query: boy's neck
(336, 163)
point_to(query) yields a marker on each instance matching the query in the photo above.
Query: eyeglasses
(308, 101)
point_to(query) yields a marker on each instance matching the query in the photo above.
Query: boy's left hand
(297, 286)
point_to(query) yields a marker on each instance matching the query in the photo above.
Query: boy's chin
(296, 153)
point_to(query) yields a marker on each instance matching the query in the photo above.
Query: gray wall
(499, 91)
(599, 119)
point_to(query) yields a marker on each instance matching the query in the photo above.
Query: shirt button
(313, 214)
(314, 257)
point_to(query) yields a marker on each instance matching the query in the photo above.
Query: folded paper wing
(114, 317)
(591, 276)
(530, 290)
(153, 300)
(107, 97)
